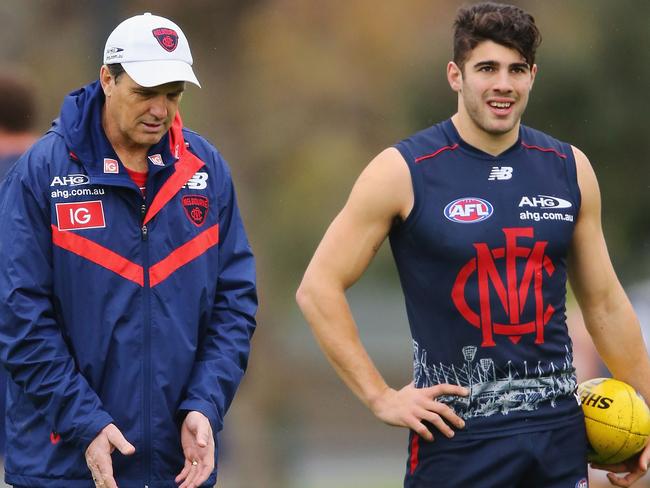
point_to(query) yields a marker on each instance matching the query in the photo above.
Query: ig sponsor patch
(111, 166)
(80, 215)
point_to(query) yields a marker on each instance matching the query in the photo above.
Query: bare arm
(382, 194)
(608, 314)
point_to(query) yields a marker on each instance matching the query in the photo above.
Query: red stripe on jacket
(183, 255)
(76, 244)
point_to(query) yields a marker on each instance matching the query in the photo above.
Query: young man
(486, 217)
(127, 284)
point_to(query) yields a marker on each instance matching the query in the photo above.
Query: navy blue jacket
(115, 308)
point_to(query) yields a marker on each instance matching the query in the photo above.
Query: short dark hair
(18, 106)
(116, 70)
(507, 25)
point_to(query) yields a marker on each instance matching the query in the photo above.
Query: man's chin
(149, 139)
(499, 128)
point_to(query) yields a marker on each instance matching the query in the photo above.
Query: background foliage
(299, 96)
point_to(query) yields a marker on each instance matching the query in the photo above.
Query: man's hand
(636, 467)
(410, 407)
(198, 448)
(98, 455)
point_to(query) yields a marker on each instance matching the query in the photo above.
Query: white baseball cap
(152, 49)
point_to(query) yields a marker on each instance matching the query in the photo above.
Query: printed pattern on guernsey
(484, 281)
(135, 321)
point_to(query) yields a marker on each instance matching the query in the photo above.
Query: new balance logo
(197, 182)
(500, 173)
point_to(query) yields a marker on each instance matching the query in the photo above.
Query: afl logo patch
(469, 210)
(583, 483)
(167, 38)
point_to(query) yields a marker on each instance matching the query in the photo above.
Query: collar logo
(196, 208)
(167, 38)
(111, 166)
(156, 159)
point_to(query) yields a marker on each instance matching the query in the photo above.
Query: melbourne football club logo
(511, 277)
(196, 208)
(468, 210)
(167, 38)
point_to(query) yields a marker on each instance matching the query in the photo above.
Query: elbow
(304, 295)
(313, 290)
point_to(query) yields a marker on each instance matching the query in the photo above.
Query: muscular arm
(608, 314)
(382, 194)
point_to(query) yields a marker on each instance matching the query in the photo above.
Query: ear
(533, 73)
(106, 80)
(454, 76)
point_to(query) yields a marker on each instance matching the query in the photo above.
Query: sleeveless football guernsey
(482, 263)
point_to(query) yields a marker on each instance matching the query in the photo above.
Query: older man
(127, 284)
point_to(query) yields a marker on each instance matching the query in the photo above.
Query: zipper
(146, 344)
(143, 229)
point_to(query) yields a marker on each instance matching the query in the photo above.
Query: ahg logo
(512, 293)
(70, 180)
(544, 201)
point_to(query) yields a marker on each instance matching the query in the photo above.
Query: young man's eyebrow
(494, 64)
(486, 63)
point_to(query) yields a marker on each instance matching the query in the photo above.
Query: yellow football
(617, 420)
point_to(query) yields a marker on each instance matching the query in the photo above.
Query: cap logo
(167, 38)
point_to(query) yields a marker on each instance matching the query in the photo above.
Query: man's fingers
(116, 438)
(202, 435)
(644, 460)
(190, 481)
(623, 482)
(420, 429)
(203, 474)
(446, 412)
(94, 472)
(445, 389)
(183, 474)
(103, 474)
(435, 420)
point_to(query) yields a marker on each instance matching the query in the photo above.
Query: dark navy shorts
(550, 459)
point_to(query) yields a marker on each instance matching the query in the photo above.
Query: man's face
(493, 87)
(136, 116)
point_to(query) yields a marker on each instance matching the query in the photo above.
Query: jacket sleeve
(32, 346)
(223, 351)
